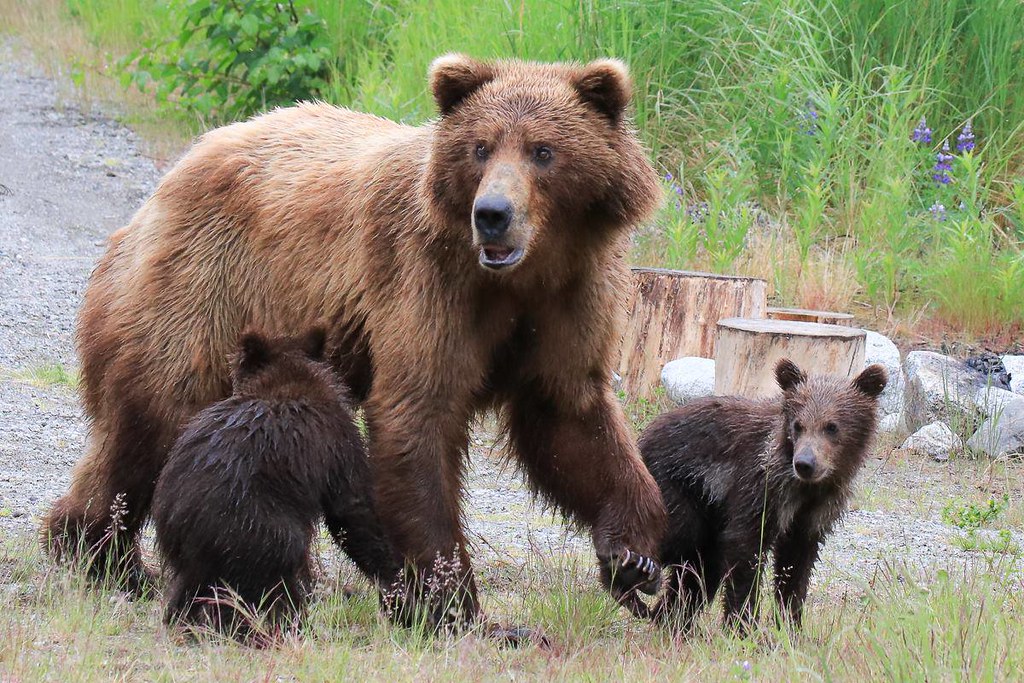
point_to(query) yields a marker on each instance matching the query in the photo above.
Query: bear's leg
(99, 518)
(178, 600)
(582, 456)
(353, 521)
(691, 587)
(418, 454)
(742, 565)
(795, 555)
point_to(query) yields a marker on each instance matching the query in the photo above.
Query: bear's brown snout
(492, 217)
(500, 228)
(805, 465)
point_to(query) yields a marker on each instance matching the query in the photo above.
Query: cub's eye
(797, 428)
(481, 151)
(542, 154)
(831, 429)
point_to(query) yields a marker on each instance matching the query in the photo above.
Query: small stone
(991, 368)
(686, 379)
(1002, 434)
(936, 440)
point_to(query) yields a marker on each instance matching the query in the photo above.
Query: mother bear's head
(532, 159)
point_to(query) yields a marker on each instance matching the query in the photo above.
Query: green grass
(726, 91)
(47, 375)
(958, 624)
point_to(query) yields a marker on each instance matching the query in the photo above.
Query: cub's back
(703, 441)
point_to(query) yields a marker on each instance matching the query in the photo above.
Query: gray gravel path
(68, 179)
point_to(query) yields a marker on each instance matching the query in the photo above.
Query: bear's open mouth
(499, 257)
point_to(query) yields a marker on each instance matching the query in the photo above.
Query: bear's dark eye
(542, 154)
(831, 429)
(481, 151)
(797, 428)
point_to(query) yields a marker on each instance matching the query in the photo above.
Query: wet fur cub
(741, 477)
(246, 483)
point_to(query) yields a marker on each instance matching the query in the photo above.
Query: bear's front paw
(625, 573)
(633, 571)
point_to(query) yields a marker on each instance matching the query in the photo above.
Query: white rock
(1015, 366)
(1003, 433)
(891, 424)
(880, 349)
(992, 400)
(688, 378)
(938, 387)
(935, 439)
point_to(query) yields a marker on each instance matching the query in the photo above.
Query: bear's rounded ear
(313, 343)
(455, 77)
(253, 353)
(605, 85)
(788, 375)
(871, 382)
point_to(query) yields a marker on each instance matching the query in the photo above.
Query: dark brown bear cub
(741, 477)
(245, 485)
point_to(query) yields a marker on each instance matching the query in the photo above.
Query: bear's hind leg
(98, 520)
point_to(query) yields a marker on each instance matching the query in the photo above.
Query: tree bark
(674, 313)
(749, 349)
(811, 316)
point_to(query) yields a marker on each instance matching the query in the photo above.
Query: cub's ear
(605, 85)
(253, 353)
(313, 343)
(788, 375)
(871, 381)
(455, 77)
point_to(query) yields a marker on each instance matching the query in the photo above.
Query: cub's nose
(805, 465)
(492, 214)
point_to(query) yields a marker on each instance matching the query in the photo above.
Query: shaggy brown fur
(474, 262)
(741, 477)
(238, 502)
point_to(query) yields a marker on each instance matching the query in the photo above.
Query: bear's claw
(630, 565)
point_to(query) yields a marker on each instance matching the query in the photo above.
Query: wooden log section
(674, 313)
(748, 350)
(809, 316)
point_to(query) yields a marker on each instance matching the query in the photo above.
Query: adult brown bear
(473, 262)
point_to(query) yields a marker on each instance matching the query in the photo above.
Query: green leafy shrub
(232, 59)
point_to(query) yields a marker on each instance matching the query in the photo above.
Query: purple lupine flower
(938, 211)
(809, 119)
(668, 177)
(922, 133)
(942, 165)
(697, 212)
(965, 141)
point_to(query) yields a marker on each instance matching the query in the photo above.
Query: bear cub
(238, 503)
(741, 477)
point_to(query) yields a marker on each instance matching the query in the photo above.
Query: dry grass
(56, 627)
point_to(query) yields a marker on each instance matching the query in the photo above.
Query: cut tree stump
(809, 316)
(748, 350)
(674, 313)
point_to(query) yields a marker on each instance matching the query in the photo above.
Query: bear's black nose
(492, 214)
(804, 464)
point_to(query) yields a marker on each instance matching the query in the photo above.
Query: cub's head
(536, 161)
(280, 367)
(829, 421)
